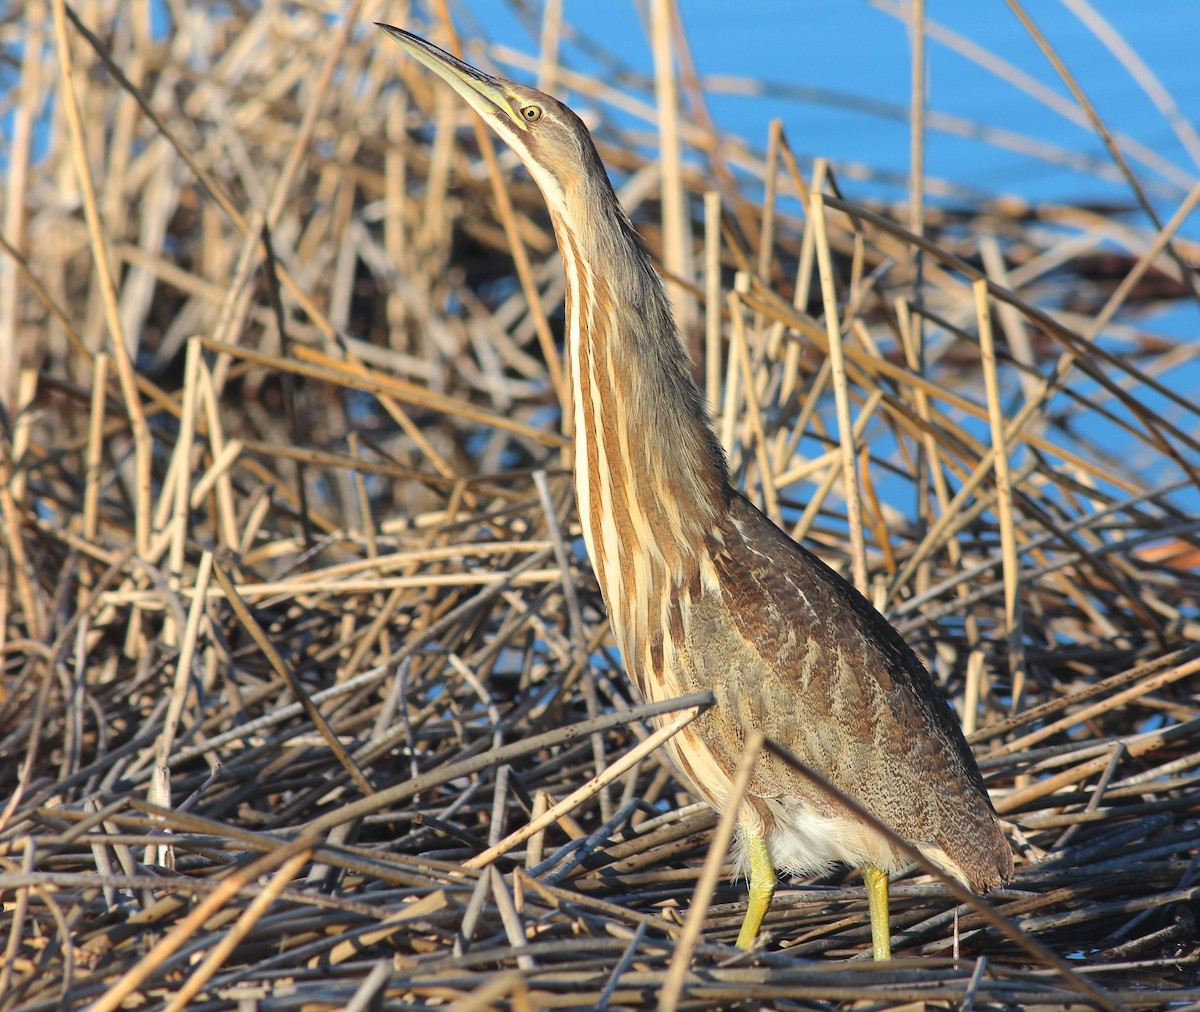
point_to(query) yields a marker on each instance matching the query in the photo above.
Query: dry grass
(304, 681)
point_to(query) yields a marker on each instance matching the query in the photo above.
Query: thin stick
(183, 666)
(249, 917)
(465, 767)
(552, 17)
(95, 448)
(21, 133)
(753, 411)
(577, 797)
(1105, 705)
(858, 554)
(1188, 275)
(508, 218)
(677, 230)
(712, 300)
(183, 461)
(284, 671)
(681, 958)
(143, 448)
(1135, 745)
(167, 946)
(1004, 500)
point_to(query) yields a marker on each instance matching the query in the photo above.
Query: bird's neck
(650, 476)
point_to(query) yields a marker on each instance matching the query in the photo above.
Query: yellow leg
(762, 888)
(877, 901)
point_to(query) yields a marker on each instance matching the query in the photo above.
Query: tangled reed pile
(305, 678)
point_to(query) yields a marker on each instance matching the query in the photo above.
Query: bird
(704, 592)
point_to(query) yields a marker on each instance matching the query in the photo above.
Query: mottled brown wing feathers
(867, 714)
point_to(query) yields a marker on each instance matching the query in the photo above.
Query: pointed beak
(487, 95)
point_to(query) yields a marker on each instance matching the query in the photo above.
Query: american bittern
(704, 592)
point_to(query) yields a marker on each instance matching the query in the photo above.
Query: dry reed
(308, 698)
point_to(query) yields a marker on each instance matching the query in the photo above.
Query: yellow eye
(532, 113)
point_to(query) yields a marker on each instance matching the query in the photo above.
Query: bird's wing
(821, 672)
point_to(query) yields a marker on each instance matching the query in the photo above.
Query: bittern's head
(547, 136)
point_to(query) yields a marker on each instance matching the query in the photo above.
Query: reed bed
(308, 698)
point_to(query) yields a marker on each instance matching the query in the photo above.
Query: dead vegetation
(305, 680)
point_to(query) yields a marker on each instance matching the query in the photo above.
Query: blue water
(850, 50)
(837, 73)
(821, 58)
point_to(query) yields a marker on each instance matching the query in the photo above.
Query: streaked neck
(649, 474)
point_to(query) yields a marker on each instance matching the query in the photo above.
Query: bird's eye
(532, 113)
